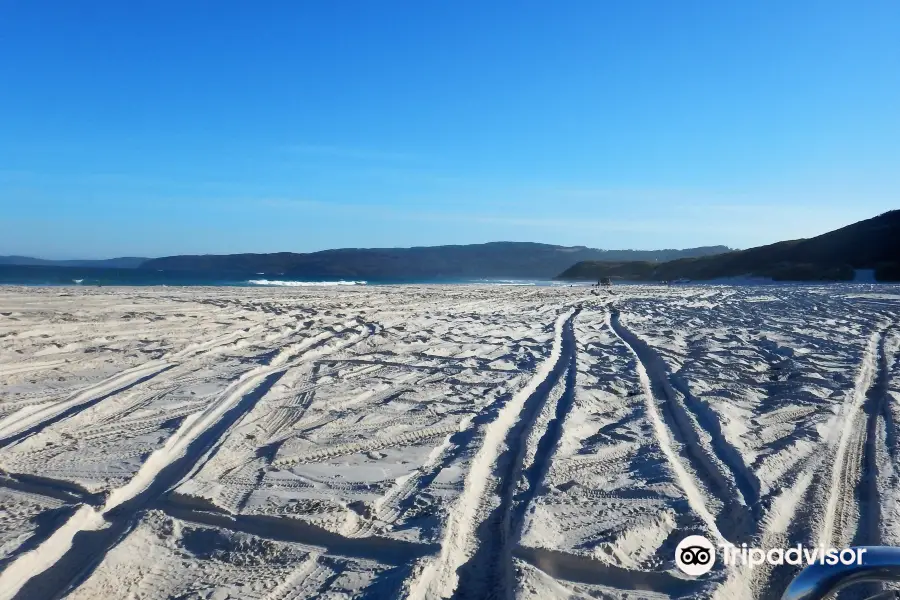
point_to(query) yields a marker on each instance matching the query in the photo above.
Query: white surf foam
(303, 283)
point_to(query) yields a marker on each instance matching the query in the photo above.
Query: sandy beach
(438, 441)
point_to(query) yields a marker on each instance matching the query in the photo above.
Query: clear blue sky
(159, 127)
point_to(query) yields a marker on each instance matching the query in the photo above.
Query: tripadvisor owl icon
(695, 555)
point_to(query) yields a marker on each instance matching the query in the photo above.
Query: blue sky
(164, 127)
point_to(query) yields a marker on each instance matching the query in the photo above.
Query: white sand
(437, 440)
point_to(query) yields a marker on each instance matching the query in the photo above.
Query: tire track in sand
(867, 495)
(686, 480)
(841, 511)
(33, 419)
(794, 511)
(439, 577)
(520, 472)
(84, 539)
(26, 422)
(868, 531)
(70, 554)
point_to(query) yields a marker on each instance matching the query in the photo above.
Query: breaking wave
(303, 283)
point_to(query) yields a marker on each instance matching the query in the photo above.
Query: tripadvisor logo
(695, 555)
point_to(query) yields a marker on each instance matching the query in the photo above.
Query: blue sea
(51, 276)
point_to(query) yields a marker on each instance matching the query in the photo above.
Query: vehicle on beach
(879, 564)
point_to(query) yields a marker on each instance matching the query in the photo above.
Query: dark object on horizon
(492, 260)
(835, 256)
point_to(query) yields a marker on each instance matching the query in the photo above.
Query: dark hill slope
(496, 259)
(124, 262)
(870, 244)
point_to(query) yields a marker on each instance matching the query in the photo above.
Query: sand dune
(437, 441)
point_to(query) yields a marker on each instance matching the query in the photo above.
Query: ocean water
(44, 276)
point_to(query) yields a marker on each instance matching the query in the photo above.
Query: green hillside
(834, 256)
(491, 260)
